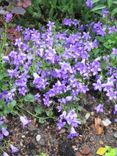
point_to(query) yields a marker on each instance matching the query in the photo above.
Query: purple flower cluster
(71, 119)
(70, 22)
(3, 131)
(56, 65)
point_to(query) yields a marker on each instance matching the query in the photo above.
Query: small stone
(42, 142)
(87, 116)
(92, 113)
(32, 127)
(62, 131)
(101, 142)
(23, 136)
(21, 143)
(106, 122)
(115, 135)
(38, 137)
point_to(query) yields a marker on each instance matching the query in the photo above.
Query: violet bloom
(89, 3)
(5, 154)
(8, 17)
(105, 12)
(115, 109)
(5, 132)
(99, 108)
(114, 51)
(24, 121)
(73, 133)
(67, 21)
(14, 149)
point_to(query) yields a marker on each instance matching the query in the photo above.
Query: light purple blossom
(114, 51)
(5, 154)
(105, 12)
(24, 121)
(72, 133)
(115, 109)
(8, 17)
(5, 132)
(99, 108)
(89, 3)
(14, 149)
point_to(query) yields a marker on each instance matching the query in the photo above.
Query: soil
(37, 138)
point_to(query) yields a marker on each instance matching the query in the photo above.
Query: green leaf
(38, 110)
(29, 98)
(49, 113)
(114, 2)
(109, 3)
(95, 1)
(41, 120)
(99, 7)
(114, 11)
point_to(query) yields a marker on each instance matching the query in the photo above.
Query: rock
(23, 136)
(62, 131)
(85, 150)
(18, 10)
(87, 116)
(101, 142)
(38, 137)
(115, 135)
(42, 142)
(106, 122)
(32, 128)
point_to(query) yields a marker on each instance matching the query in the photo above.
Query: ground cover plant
(47, 73)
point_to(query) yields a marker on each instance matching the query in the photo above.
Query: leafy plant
(99, 5)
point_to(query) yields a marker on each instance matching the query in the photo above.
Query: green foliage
(53, 9)
(29, 98)
(111, 151)
(43, 154)
(110, 4)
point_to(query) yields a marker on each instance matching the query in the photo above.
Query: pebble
(106, 122)
(101, 142)
(42, 142)
(23, 136)
(115, 135)
(32, 127)
(38, 137)
(87, 116)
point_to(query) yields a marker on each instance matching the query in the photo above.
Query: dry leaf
(101, 151)
(98, 127)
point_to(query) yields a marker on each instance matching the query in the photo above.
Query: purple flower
(14, 149)
(37, 97)
(105, 12)
(73, 133)
(98, 85)
(5, 154)
(5, 132)
(8, 17)
(89, 3)
(24, 121)
(67, 21)
(99, 108)
(99, 29)
(115, 109)
(114, 51)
